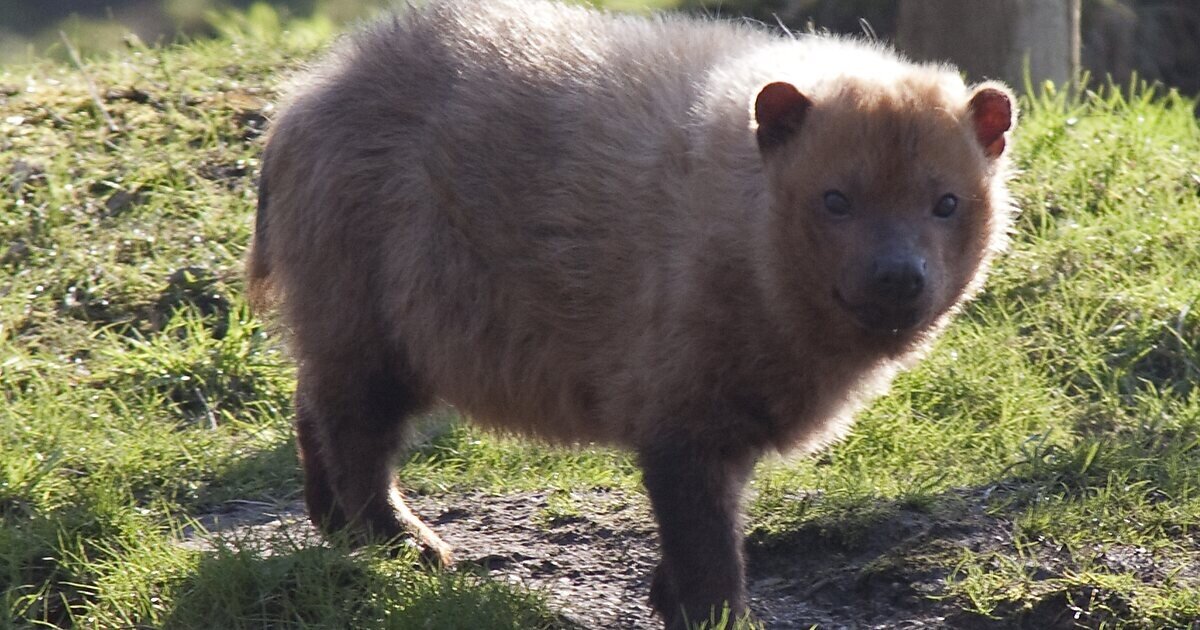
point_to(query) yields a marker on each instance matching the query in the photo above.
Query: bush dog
(697, 240)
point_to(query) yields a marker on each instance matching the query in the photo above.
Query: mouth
(880, 319)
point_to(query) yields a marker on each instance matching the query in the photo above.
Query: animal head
(887, 198)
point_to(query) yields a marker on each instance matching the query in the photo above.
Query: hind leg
(350, 421)
(323, 509)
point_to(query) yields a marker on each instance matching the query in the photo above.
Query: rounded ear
(778, 110)
(993, 113)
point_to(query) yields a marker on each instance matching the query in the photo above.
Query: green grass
(137, 390)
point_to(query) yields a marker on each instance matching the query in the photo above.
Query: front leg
(695, 491)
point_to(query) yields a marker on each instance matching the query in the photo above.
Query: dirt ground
(593, 559)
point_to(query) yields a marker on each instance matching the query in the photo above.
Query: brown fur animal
(693, 239)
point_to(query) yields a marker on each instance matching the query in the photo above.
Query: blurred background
(1159, 40)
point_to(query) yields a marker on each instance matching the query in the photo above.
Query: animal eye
(945, 206)
(836, 203)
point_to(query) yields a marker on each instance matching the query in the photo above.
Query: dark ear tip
(776, 100)
(993, 113)
(996, 101)
(776, 91)
(779, 109)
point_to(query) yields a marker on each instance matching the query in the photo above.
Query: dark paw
(664, 599)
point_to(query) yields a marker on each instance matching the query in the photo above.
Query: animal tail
(260, 290)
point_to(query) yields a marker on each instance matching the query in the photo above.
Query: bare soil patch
(593, 560)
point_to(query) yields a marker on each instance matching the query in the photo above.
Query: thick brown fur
(594, 228)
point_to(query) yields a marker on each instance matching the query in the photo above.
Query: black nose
(898, 279)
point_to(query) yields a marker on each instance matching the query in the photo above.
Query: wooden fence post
(995, 38)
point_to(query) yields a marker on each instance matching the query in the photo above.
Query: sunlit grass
(137, 389)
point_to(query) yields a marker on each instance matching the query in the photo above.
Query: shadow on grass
(289, 585)
(876, 562)
(262, 481)
(888, 563)
(244, 587)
